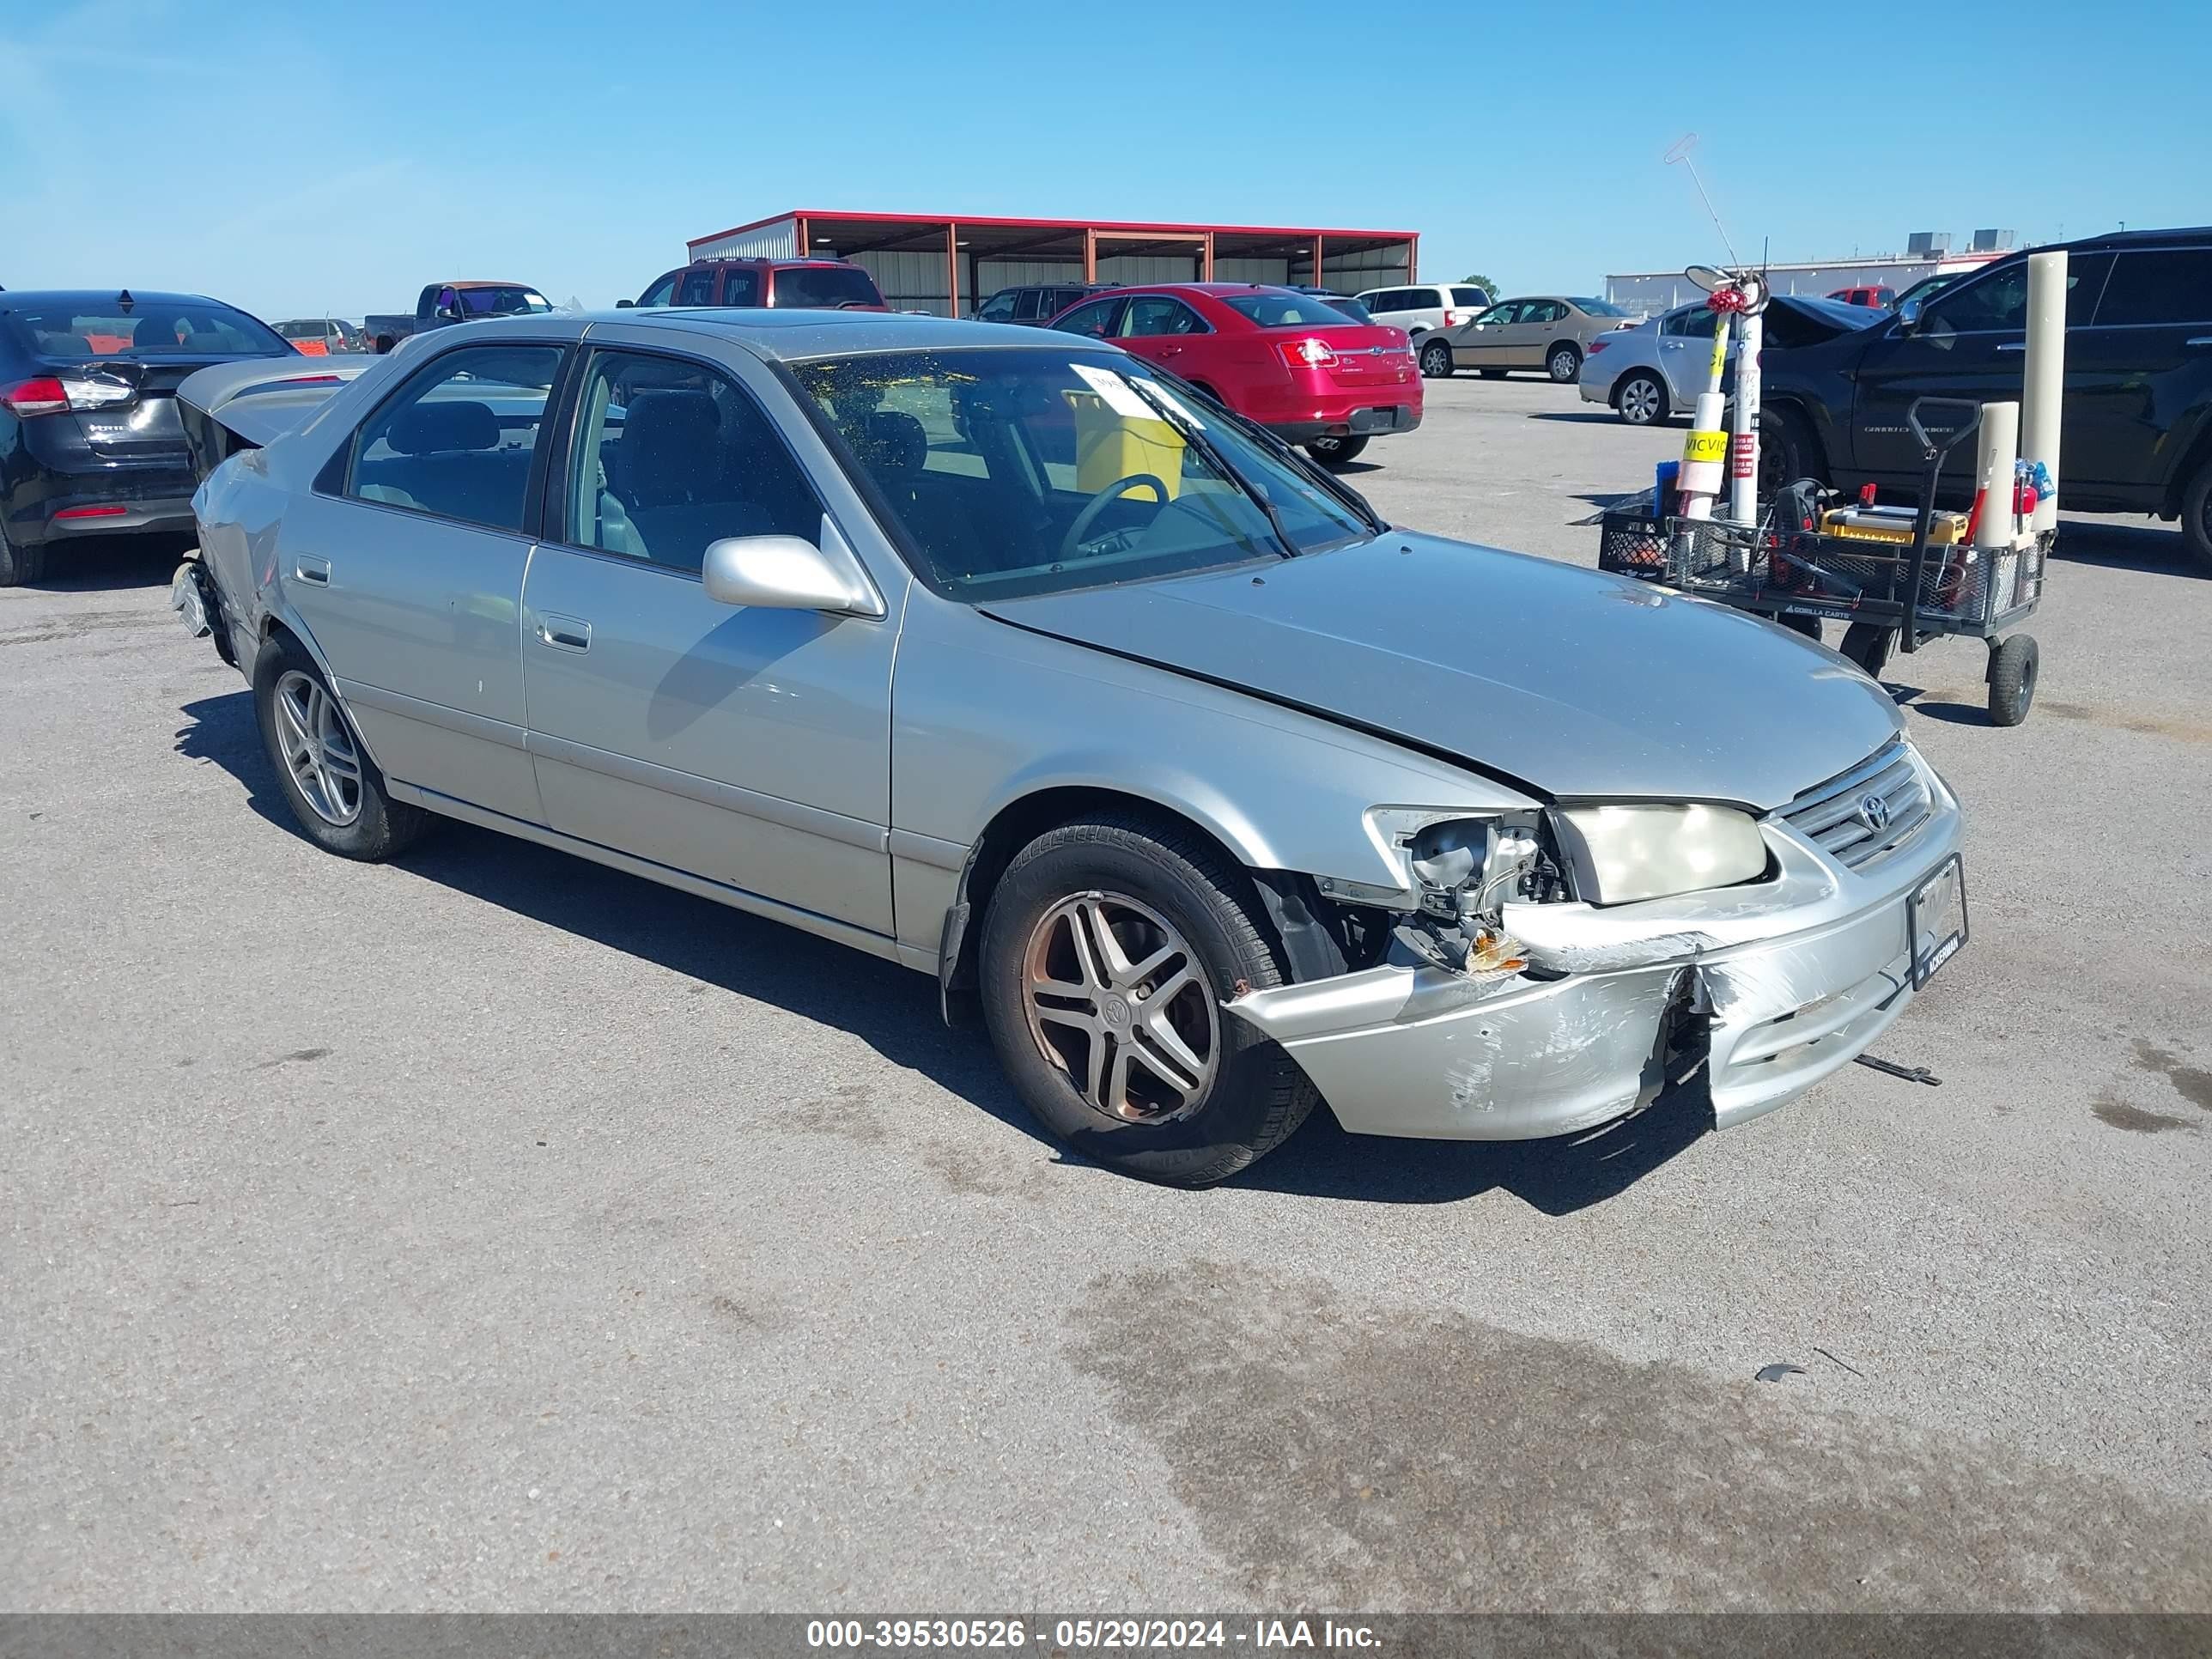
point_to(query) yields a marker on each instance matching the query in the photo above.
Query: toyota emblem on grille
(1874, 813)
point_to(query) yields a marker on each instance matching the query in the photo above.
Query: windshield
(503, 302)
(149, 328)
(1015, 472)
(1599, 308)
(825, 287)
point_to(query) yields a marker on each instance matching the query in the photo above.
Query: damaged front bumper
(1788, 978)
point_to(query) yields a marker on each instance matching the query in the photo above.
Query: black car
(90, 443)
(2138, 409)
(1037, 303)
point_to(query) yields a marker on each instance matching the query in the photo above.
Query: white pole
(1705, 451)
(1993, 467)
(1743, 455)
(2044, 392)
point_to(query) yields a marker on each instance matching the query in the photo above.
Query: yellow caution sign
(1711, 447)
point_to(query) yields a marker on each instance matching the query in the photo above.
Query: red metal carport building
(948, 263)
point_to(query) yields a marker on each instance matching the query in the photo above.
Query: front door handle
(564, 632)
(309, 568)
(2013, 345)
(2201, 340)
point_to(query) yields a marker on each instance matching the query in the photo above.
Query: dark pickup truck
(2138, 406)
(443, 303)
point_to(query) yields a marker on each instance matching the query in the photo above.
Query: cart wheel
(1867, 644)
(2012, 667)
(1808, 626)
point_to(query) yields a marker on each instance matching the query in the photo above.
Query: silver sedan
(1015, 660)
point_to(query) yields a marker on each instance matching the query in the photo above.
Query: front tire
(1108, 951)
(1565, 363)
(333, 788)
(1436, 360)
(1336, 451)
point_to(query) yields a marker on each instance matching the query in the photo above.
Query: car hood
(1561, 680)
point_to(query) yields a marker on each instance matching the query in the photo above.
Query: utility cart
(1898, 580)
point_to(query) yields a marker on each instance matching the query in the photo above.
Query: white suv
(1423, 306)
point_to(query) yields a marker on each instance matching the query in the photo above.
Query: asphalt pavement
(492, 1231)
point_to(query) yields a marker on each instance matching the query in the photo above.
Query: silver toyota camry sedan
(1010, 658)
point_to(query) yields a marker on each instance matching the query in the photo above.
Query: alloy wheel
(1436, 360)
(1115, 998)
(1564, 364)
(319, 752)
(1639, 401)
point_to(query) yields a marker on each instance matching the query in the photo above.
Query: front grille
(1834, 817)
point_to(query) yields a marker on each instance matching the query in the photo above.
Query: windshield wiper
(1193, 435)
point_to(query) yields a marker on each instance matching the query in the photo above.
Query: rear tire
(1867, 644)
(309, 738)
(1336, 451)
(1565, 362)
(1160, 888)
(1436, 359)
(19, 565)
(1788, 451)
(2197, 516)
(1641, 398)
(2014, 669)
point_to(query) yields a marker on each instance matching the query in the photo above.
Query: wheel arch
(276, 623)
(1037, 812)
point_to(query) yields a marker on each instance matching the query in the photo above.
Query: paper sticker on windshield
(1120, 396)
(1181, 408)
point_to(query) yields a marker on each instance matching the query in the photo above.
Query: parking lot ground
(492, 1231)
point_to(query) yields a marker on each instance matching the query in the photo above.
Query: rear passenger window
(671, 456)
(2169, 286)
(456, 440)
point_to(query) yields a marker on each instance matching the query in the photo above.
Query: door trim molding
(737, 898)
(480, 726)
(770, 809)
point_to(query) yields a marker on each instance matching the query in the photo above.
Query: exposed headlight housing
(1618, 855)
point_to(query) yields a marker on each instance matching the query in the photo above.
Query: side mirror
(778, 573)
(1908, 317)
(625, 305)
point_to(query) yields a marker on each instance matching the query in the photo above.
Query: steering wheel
(1101, 502)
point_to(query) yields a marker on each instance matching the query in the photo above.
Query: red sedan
(1286, 360)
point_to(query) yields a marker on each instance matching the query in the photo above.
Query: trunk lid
(146, 424)
(1363, 354)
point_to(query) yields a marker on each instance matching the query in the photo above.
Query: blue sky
(299, 158)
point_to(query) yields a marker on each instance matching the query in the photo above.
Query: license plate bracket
(1935, 919)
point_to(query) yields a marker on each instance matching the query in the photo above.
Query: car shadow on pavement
(1580, 417)
(2157, 549)
(894, 1012)
(100, 564)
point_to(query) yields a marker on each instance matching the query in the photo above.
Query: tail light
(1454, 319)
(1307, 353)
(1597, 345)
(49, 394)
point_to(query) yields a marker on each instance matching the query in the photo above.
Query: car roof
(103, 296)
(789, 335)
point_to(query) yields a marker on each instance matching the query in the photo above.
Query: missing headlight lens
(1622, 853)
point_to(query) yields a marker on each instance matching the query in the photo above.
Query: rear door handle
(564, 632)
(309, 568)
(2201, 340)
(2013, 345)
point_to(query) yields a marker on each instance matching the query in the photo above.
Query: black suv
(1038, 303)
(2138, 415)
(824, 284)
